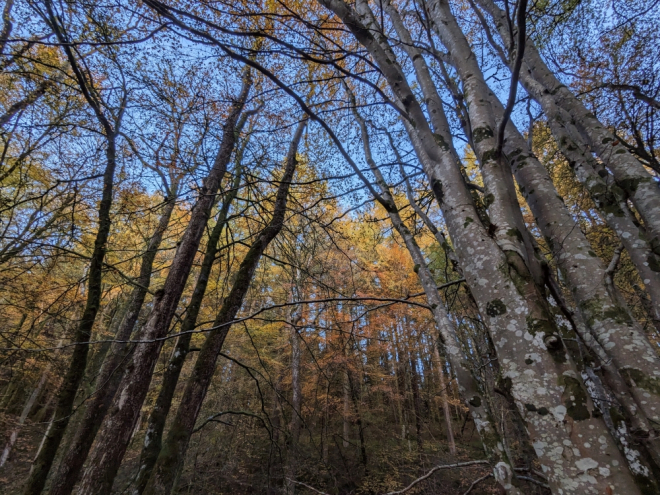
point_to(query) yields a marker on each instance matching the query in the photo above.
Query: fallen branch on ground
(437, 468)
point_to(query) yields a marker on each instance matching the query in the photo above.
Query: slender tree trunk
(500, 201)
(24, 414)
(346, 402)
(296, 386)
(469, 387)
(444, 399)
(172, 455)
(112, 368)
(296, 401)
(360, 428)
(75, 372)
(157, 418)
(326, 421)
(6, 25)
(414, 384)
(611, 200)
(115, 431)
(276, 421)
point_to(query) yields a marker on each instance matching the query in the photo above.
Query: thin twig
(239, 320)
(217, 415)
(532, 480)
(615, 261)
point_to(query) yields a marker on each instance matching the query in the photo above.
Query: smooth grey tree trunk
(540, 380)
(469, 388)
(628, 171)
(584, 272)
(444, 398)
(603, 309)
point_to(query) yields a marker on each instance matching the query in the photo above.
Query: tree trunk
(111, 370)
(604, 311)
(24, 414)
(414, 384)
(469, 387)
(172, 454)
(611, 201)
(346, 402)
(553, 218)
(444, 399)
(118, 425)
(540, 380)
(76, 370)
(158, 417)
(628, 171)
(296, 401)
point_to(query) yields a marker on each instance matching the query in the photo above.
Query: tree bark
(156, 422)
(118, 425)
(13, 436)
(618, 335)
(586, 277)
(540, 380)
(444, 399)
(111, 370)
(414, 384)
(564, 236)
(296, 401)
(469, 388)
(346, 403)
(76, 370)
(628, 171)
(172, 454)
